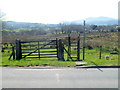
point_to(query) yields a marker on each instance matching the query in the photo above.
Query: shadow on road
(97, 65)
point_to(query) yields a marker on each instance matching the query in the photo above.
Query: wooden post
(84, 43)
(57, 47)
(100, 55)
(13, 53)
(69, 47)
(18, 50)
(78, 48)
(60, 51)
(38, 49)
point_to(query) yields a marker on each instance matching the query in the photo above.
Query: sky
(56, 11)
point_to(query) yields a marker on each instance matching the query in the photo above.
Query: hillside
(98, 21)
(21, 25)
(92, 21)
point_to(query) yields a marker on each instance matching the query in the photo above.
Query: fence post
(18, 50)
(57, 47)
(78, 48)
(100, 55)
(69, 47)
(38, 49)
(13, 52)
(60, 50)
(84, 41)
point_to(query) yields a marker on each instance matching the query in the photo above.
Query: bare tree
(2, 15)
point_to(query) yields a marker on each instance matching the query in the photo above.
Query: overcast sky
(55, 11)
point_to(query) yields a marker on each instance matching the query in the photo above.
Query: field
(91, 57)
(108, 41)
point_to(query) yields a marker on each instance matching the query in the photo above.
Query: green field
(109, 45)
(91, 57)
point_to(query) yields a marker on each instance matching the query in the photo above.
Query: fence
(55, 49)
(68, 48)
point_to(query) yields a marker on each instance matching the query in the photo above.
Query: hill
(21, 25)
(98, 21)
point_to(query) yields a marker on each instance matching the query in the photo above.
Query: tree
(2, 15)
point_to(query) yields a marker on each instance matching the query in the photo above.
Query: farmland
(100, 46)
(108, 41)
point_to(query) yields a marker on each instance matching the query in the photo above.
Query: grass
(33, 62)
(91, 57)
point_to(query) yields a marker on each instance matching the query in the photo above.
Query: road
(60, 78)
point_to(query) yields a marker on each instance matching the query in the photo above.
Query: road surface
(60, 78)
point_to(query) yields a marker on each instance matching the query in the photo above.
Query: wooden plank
(30, 45)
(37, 48)
(32, 55)
(48, 54)
(47, 51)
(35, 45)
(47, 48)
(48, 44)
(28, 49)
(29, 52)
(43, 57)
(49, 57)
(28, 41)
(36, 41)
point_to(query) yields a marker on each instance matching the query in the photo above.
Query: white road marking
(57, 77)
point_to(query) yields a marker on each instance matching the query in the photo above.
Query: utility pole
(84, 42)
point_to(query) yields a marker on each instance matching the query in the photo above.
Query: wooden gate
(60, 49)
(36, 49)
(73, 47)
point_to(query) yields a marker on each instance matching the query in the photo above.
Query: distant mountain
(22, 25)
(92, 20)
(98, 21)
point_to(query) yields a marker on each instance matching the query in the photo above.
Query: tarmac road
(60, 78)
